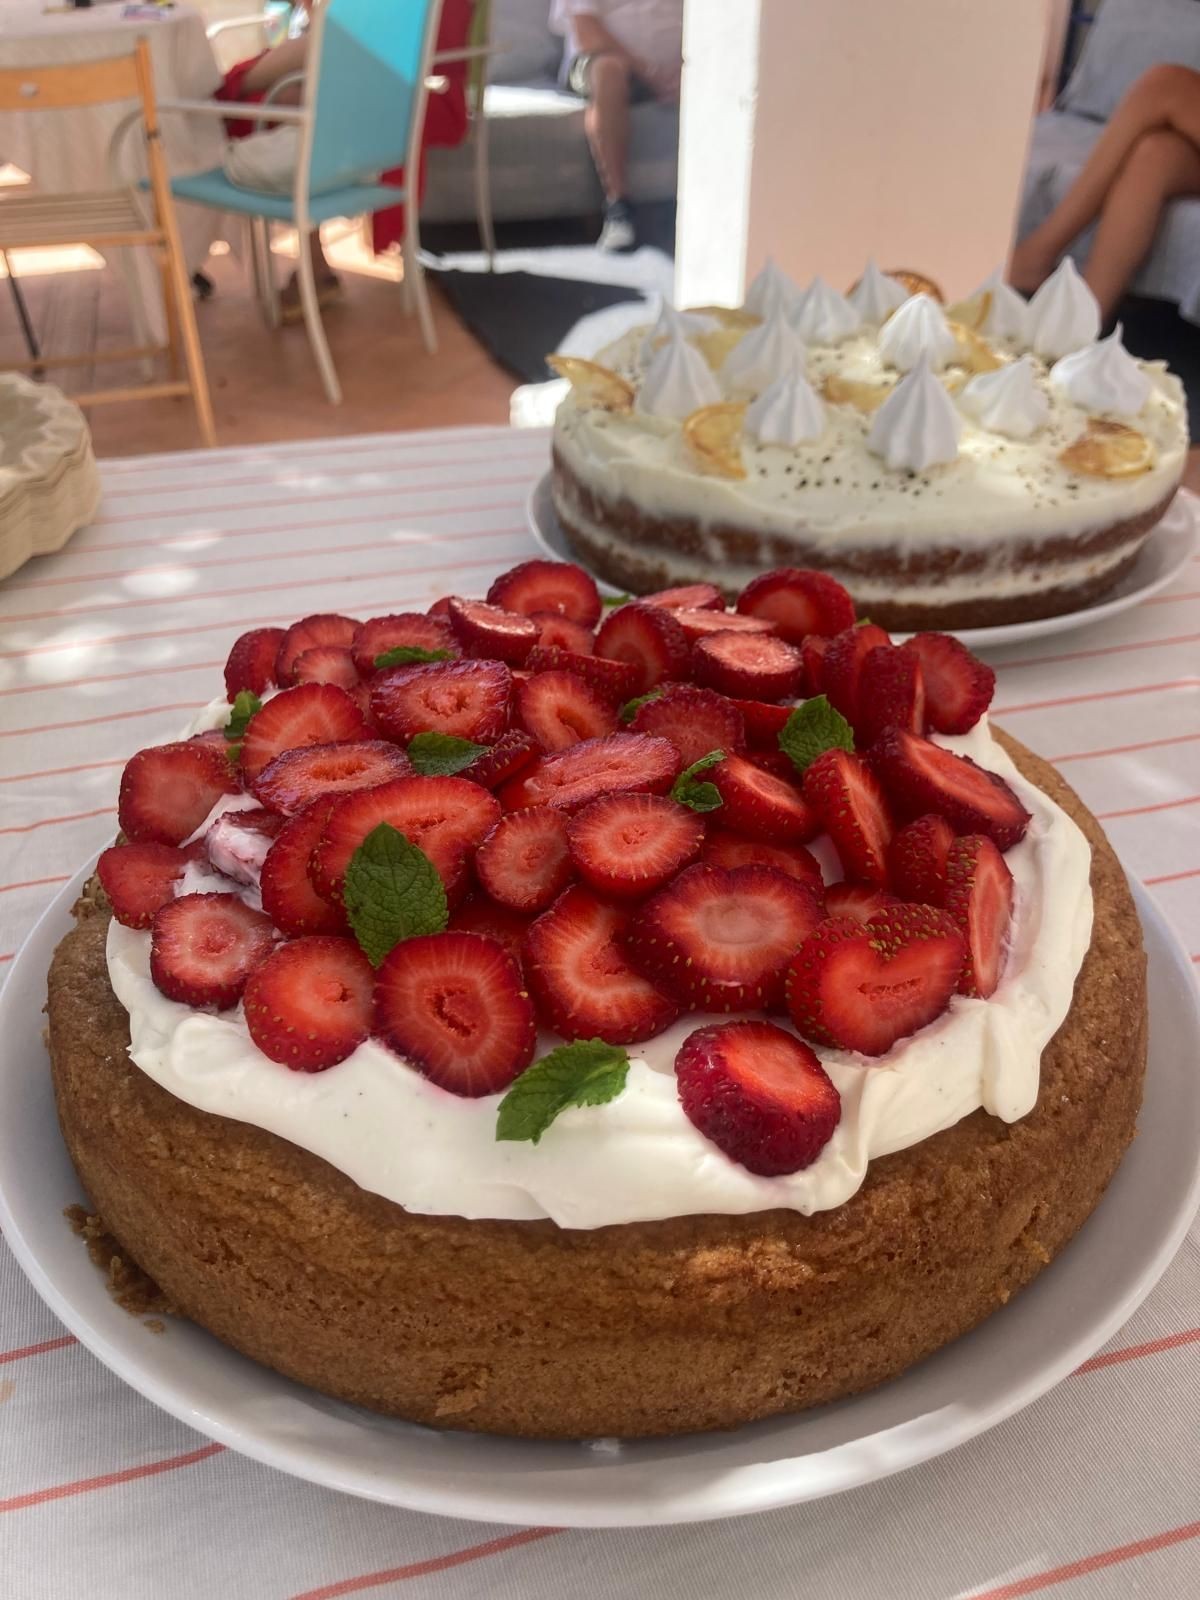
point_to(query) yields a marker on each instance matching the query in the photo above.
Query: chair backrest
(90, 83)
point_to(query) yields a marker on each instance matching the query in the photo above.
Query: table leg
(23, 317)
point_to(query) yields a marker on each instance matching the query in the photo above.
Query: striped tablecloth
(109, 646)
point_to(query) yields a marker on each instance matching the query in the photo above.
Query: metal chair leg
(312, 321)
(414, 274)
(22, 310)
(483, 189)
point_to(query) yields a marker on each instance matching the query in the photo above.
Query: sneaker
(618, 231)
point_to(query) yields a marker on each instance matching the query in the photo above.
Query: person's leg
(606, 122)
(265, 73)
(1165, 97)
(1160, 166)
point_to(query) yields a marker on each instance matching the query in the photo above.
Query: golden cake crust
(644, 1328)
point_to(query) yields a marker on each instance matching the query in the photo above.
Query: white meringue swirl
(1008, 314)
(771, 290)
(1008, 400)
(677, 381)
(1103, 377)
(762, 355)
(823, 316)
(670, 324)
(875, 296)
(917, 330)
(1064, 315)
(787, 413)
(917, 426)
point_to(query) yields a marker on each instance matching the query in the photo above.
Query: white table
(110, 645)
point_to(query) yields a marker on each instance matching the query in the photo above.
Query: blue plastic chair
(361, 113)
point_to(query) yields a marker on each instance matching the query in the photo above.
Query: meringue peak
(823, 316)
(763, 354)
(876, 295)
(770, 290)
(677, 381)
(1007, 401)
(1064, 314)
(917, 331)
(917, 426)
(1103, 377)
(789, 412)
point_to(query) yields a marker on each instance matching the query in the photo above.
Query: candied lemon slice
(917, 283)
(972, 313)
(727, 316)
(863, 394)
(1108, 450)
(974, 352)
(593, 384)
(714, 433)
(716, 344)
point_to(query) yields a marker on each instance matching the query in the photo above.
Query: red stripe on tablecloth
(423, 1569)
(1166, 599)
(52, 822)
(1141, 811)
(1106, 650)
(106, 1480)
(32, 883)
(1134, 1352)
(63, 772)
(37, 1349)
(1103, 694)
(278, 454)
(108, 716)
(114, 677)
(8, 957)
(1095, 1563)
(1172, 877)
(1124, 749)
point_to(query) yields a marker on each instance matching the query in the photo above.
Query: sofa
(1126, 38)
(538, 153)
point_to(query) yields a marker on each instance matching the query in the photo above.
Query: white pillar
(819, 132)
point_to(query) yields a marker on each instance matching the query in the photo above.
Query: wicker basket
(49, 486)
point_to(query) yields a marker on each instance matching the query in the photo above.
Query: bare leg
(1166, 97)
(606, 121)
(1160, 166)
(286, 58)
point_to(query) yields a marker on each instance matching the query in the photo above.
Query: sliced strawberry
(862, 901)
(582, 979)
(440, 607)
(776, 763)
(469, 699)
(759, 1094)
(139, 879)
(649, 639)
(237, 843)
(630, 844)
(958, 686)
(719, 938)
(454, 1005)
(917, 860)
(557, 586)
(799, 602)
(251, 663)
(763, 723)
(168, 790)
(325, 627)
(846, 795)
(842, 664)
(511, 753)
(920, 776)
(524, 863)
(568, 779)
(694, 720)
(309, 1005)
(762, 805)
(445, 817)
(751, 666)
(979, 900)
(326, 663)
(721, 849)
(861, 986)
(295, 778)
(687, 597)
(288, 895)
(479, 913)
(559, 709)
(214, 736)
(414, 629)
(490, 631)
(203, 947)
(891, 693)
(617, 679)
(812, 674)
(701, 621)
(564, 634)
(312, 713)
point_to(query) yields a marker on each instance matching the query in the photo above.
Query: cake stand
(49, 486)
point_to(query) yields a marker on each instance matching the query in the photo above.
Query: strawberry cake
(954, 467)
(552, 1021)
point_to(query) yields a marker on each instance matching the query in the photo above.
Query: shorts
(577, 77)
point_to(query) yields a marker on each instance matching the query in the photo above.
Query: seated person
(618, 51)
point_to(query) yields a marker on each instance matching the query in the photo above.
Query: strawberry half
(203, 947)
(455, 1006)
(799, 602)
(481, 914)
(469, 699)
(719, 938)
(489, 631)
(564, 634)
(761, 804)
(862, 901)
(288, 895)
(694, 720)
(891, 693)
(649, 639)
(700, 622)
(917, 860)
(295, 778)
(524, 863)
(139, 879)
(308, 1006)
(846, 796)
(920, 776)
(570, 778)
(511, 753)
(167, 791)
(861, 986)
(313, 713)
(237, 843)
(413, 629)
(324, 627)
(251, 663)
(759, 1094)
(616, 679)
(842, 664)
(581, 976)
(752, 666)
(686, 597)
(326, 663)
(958, 686)
(557, 586)
(979, 899)
(722, 849)
(763, 724)
(812, 672)
(559, 709)
(630, 844)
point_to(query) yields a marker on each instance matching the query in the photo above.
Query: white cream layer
(638, 1159)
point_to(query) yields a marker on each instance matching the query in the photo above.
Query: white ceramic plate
(1163, 556)
(1016, 1356)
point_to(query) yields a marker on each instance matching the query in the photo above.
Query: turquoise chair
(361, 113)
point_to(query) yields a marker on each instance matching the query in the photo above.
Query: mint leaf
(245, 704)
(698, 796)
(812, 728)
(630, 709)
(438, 755)
(616, 599)
(410, 655)
(392, 892)
(585, 1073)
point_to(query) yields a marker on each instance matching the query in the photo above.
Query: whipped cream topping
(1008, 401)
(917, 425)
(1064, 314)
(638, 1158)
(770, 290)
(677, 381)
(823, 316)
(1007, 314)
(787, 413)
(767, 352)
(918, 329)
(875, 296)
(1103, 377)
(672, 324)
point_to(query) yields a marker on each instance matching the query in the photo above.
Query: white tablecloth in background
(1093, 1493)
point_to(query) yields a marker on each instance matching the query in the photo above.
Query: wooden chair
(109, 219)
